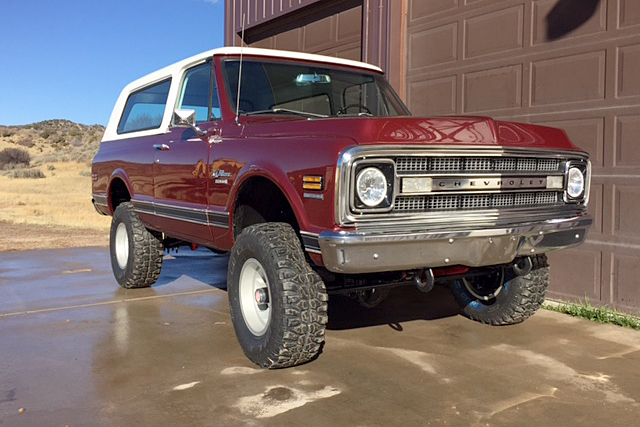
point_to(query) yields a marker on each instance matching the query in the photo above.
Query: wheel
(278, 304)
(136, 253)
(497, 299)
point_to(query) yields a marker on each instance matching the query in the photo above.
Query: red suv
(315, 177)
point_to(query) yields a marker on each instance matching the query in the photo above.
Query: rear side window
(145, 108)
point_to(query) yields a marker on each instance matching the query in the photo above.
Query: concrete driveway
(76, 350)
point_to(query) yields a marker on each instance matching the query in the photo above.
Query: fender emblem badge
(220, 174)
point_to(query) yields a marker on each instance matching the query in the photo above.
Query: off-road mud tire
(298, 298)
(144, 261)
(519, 299)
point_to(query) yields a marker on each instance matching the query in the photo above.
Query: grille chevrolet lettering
(448, 184)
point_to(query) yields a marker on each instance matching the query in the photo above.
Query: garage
(563, 63)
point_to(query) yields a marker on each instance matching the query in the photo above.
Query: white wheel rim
(122, 245)
(253, 281)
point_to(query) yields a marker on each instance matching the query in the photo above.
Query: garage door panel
(578, 271)
(628, 66)
(269, 43)
(629, 13)
(421, 8)
(349, 24)
(354, 53)
(290, 40)
(626, 270)
(568, 79)
(495, 89)
(436, 97)
(494, 32)
(441, 45)
(626, 141)
(596, 24)
(626, 203)
(319, 34)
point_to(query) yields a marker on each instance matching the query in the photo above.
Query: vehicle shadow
(201, 265)
(404, 304)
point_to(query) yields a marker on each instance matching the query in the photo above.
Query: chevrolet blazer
(314, 176)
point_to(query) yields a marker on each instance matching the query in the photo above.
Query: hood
(453, 130)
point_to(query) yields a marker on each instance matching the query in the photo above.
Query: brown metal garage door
(335, 35)
(491, 58)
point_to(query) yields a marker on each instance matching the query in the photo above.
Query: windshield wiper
(285, 111)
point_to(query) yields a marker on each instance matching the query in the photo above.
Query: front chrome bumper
(368, 252)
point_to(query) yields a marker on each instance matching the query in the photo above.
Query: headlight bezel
(387, 168)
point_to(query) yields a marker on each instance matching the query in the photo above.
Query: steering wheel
(361, 107)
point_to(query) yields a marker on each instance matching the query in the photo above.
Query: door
(181, 168)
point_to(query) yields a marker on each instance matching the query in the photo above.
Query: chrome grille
(505, 164)
(478, 164)
(476, 201)
(442, 164)
(412, 164)
(426, 165)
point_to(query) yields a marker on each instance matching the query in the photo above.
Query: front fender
(279, 178)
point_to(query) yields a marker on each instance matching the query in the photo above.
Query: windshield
(309, 91)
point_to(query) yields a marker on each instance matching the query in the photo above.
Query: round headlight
(371, 186)
(575, 186)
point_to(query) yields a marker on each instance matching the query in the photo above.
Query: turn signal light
(312, 182)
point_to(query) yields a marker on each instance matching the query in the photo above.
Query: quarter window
(145, 108)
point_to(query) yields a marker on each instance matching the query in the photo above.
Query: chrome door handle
(161, 147)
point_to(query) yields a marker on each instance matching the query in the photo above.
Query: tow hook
(523, 266)
(424, 281)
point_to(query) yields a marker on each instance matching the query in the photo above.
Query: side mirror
(186, 118)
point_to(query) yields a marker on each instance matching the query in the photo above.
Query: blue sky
(69, 59)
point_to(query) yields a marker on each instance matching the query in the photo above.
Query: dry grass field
(50, 212)
(54, 210)
(63, 198)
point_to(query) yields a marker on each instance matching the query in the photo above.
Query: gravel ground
(26, 237)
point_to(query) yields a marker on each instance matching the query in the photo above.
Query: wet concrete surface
(75, 350)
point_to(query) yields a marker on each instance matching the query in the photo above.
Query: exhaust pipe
(523, 266)
(425, 281)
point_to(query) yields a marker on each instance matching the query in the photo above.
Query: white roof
(175, 69)
(186, 63)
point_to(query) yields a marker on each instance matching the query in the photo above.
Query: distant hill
(54, 140)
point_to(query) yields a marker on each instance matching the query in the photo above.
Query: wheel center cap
(262, 297)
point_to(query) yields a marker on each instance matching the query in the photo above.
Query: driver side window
(195, 93)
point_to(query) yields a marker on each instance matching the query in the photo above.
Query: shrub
(26, 173)
(85, 173)
(12, 166)
(46, 134)
(26, 143)
(7, 134)
(14, 155)
(51, 167)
